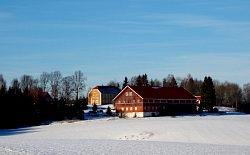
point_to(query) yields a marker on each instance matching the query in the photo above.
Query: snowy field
(208, 134)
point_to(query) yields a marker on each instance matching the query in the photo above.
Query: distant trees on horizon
(21, 102)
(226, 93)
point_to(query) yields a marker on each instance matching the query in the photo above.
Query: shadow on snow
(8, 132)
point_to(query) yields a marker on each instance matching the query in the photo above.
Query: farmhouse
(46, 98)
(140, 101)
(100, 95)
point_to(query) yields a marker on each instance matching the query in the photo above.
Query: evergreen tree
(142, 80)
(145, 80)
(94, 108)
(169, 81)
(173, 82)
(26, 108)
(3, 102)
(190, 84)
(164, 82)
(108, 112)
(125, 83)
(139, 81)
(208, 94)
(78, 109)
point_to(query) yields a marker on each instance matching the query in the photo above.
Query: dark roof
(108, 89)
(163, 92)
(43, 94)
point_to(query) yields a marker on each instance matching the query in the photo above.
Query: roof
(108, 89)
(198, 97)
(163, 92)
(44, 93)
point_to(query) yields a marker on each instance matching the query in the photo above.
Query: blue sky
(109, 39)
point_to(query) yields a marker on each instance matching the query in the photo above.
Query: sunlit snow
(191, 134)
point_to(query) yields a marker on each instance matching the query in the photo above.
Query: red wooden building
(140, 101)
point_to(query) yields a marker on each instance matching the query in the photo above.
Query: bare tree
(233, 94)
(228, 94)
(169, 81)
(78, 82)
(26, 82)
(55, 79)
(67, 87)
(220, 90)
(2, 82)
(3, 86)
(44, 79)
(246, 93)
(133, 81)
(114, 83)
(192, 85)
(15, 85)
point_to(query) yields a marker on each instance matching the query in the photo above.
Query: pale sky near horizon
(108, 40)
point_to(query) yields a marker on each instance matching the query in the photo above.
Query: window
(126, 93)
(131, 108)
(126, 108)
(138, 101)
(130, 93)
(135, 108)
(176, 101)
(122, 109)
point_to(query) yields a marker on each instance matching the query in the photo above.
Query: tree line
(225, 93)
(22, 103)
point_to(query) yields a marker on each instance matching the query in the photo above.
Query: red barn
(140, 101)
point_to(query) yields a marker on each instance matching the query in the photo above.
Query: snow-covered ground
(194, 134)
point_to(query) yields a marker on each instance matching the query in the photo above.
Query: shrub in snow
(94, 108)
(109, 112)
(215, 110)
